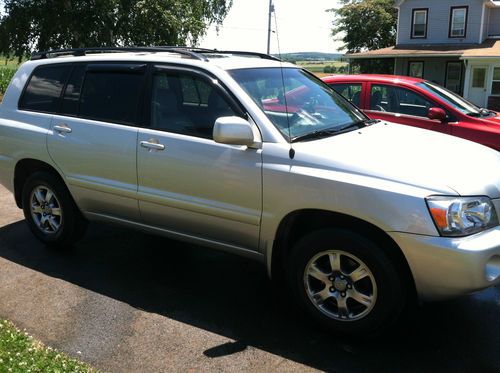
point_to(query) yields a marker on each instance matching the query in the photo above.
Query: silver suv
(243, 153)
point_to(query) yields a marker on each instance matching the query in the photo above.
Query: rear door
(402, 105)
(94, 137)
(188, 183)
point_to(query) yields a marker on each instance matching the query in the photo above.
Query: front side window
(112, 95)
(458, 22)
(419, 23)
(451, 98)
(351, 91)
(186, 104)
(392, 99)
(44, 89)
(297, 103)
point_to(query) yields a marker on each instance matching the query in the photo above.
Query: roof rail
(241, 53)
(84, 51)
(192, 52)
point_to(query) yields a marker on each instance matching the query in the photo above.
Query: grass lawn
(20, 353)
(318, 66)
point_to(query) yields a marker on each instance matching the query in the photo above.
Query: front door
(477, 90)
(402, 105)
(188, 183)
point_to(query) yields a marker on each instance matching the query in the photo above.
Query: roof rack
(241, 53)
(84, 51)
(192, 52)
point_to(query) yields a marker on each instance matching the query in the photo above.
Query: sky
(303, 26)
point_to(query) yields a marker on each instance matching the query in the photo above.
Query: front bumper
(445, 267)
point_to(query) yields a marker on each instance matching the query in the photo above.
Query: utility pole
(271, 10)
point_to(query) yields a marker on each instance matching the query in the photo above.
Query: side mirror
(437, 114)
(234, 131)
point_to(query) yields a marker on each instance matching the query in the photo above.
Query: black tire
(72, 225)
(388, 293)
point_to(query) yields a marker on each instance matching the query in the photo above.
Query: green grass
(20, 353)
(319, 66)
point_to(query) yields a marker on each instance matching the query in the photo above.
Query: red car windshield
(297, 103)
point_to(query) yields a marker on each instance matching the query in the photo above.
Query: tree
(365, 24)
(29, 25)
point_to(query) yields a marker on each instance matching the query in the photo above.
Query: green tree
(365, 24)
(29, 25)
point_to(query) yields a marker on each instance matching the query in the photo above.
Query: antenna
(291, 154)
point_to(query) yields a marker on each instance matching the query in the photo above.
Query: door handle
(62, 128)
(152, 144)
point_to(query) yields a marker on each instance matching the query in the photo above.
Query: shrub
(6, 74)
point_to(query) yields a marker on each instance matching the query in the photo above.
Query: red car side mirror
(437, 114)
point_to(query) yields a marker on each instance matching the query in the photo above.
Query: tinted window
(111, 96)
(186, 104)
(398, 100)
(44, 88)
(351, 91)
(71, 96)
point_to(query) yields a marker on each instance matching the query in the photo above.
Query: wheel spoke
(48, 196)
(36, 209)
(365, 300)
(53, 224)
(342, 306)
(39, 196)
(334, 261)
(56, 211)
(359, 273)
(318, 274)
(321, 296)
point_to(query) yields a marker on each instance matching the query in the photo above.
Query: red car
(419, 103)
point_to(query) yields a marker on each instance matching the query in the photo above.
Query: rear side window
(44, 89)
(112, 96)
(351, 91)
(71, 96)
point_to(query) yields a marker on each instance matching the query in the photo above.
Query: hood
(424, 159)
(494, 120)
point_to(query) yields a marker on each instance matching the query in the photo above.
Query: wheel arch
(298, 223)
(26, 167)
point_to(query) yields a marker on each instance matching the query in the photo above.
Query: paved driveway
(129, 302)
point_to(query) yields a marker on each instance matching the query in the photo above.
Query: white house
(455, 43)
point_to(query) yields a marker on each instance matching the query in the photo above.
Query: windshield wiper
(334, 131)
(314, 135)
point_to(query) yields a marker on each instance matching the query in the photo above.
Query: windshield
(451, 98)
(297, 103)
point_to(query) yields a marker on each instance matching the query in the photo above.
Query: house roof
(489, 48)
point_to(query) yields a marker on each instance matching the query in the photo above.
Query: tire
(346, 282)
(50, 211)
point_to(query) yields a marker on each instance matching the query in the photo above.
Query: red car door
(401, 105)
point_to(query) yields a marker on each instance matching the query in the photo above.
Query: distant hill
(310, 56)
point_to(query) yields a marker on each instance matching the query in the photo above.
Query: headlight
(462, 216)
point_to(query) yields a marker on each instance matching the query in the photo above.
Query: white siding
(438, 21)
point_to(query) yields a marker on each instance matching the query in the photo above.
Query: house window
(495, 87)
(416, 69)
(419, 23)
(458, 21)
(454, 76)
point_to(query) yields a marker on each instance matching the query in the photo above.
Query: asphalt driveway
(127, 302)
